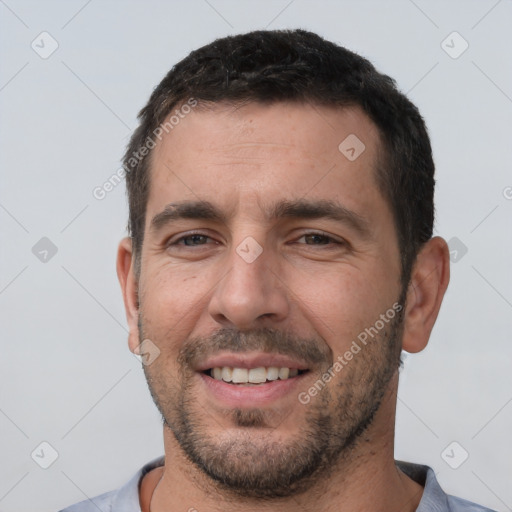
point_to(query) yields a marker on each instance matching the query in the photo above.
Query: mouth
(252, 376)
(248, 380)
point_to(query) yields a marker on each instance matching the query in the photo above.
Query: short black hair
(298, 66)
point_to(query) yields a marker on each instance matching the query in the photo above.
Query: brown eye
(194, 240)
(190, 240)
(316, 239)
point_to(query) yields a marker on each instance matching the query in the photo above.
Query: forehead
(258, 153)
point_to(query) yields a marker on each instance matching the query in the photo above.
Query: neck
(366, 477)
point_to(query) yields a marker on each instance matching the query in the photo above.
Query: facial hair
(248, 461)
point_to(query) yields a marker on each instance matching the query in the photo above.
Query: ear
(129, 286)
(429, 279)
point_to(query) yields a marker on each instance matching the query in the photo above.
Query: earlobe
(129, 287)
(429, 280)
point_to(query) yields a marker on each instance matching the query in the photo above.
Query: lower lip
(250, 396)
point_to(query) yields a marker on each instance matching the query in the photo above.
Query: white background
(66, 374)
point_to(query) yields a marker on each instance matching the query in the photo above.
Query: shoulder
(102, 503)
(124, 499)
(434, 498)
(459, 505)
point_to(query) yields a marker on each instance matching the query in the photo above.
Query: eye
(318, 239)
(195, 239)
(190, 240)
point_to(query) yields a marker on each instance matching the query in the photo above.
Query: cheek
(172, 301)
(341, 302)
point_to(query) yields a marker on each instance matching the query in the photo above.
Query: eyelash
(188, 235)
(331, 239)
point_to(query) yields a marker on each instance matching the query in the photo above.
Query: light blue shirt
(434, 499)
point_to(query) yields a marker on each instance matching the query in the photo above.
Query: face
(270, 283)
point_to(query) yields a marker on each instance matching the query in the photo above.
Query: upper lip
(251, 360)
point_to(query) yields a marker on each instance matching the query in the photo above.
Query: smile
(259, 375)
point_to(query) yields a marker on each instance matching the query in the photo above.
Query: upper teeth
(252, 375)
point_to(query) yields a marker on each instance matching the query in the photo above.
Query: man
(280, 259)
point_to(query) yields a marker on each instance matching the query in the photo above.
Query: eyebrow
(201, 210)
(296, 209)
(318, 209)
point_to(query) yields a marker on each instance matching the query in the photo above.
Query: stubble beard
(252, 460)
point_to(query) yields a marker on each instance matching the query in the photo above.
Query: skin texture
(201, 300)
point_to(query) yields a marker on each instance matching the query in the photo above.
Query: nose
(250, 295)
